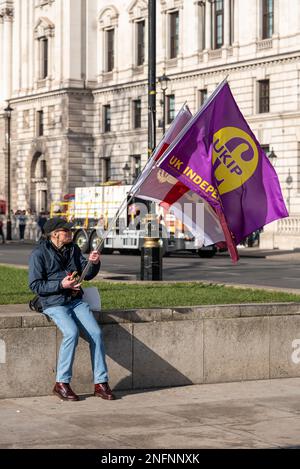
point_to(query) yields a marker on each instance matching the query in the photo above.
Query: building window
(218, 24)
(263, 96)
(137, 114)
(108, 24)
(43, 200)
(136, 161)
(106, 169)
(43, 46)
(174, 34)
(202, 96)
(267, 18)
(110, 59)
(266, 149)
(170, 108)
(40, 123)
(43, 169)
(44, 32)
(107, 118)
(140, 34)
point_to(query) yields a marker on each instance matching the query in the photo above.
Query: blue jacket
(48, 267)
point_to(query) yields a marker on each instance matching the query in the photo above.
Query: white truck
(93, 208)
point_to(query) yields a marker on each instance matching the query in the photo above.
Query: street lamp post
(151, 252)
(272, 157)
(137, 170)
(8, 112)
(126, 171)
(163, 80)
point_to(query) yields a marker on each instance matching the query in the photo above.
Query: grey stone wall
(156, 347)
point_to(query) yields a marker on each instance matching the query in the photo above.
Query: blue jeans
(69, 319)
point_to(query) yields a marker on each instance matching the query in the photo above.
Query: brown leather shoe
(64, 392)
(103, 390)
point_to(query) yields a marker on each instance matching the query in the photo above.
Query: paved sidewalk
(253, 414)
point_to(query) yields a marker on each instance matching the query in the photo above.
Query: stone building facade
(75, 74)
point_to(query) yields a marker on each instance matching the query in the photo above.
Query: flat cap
(56, 223)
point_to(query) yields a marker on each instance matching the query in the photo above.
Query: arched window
(43, 33)
(108, 23)
(138, 12)
(39, 182)
(172, 27)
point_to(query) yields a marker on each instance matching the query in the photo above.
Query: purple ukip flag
(218, 157)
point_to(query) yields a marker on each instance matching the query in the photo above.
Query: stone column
(1, 55)
(213, 23)
(36, 58)
(226, 30)
(7, 14)
(17, 46)
(207, 30)
(235, 44)
(200, 12)
(207, 25)
(51, 52)
(226, 41)
(24, 47)
(31, 47)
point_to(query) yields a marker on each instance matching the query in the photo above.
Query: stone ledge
(12, 316)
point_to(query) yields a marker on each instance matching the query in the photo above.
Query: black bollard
(151, 259)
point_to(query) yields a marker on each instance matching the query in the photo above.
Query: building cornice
(258, 118)
(213, 70)
(50, 94)
(240, 65)
(188, 74)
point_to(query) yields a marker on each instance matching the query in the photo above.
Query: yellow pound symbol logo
(235, 158)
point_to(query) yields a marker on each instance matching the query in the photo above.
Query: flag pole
(110, 227)
(133, 192)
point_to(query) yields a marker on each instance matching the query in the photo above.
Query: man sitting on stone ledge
(51, 266)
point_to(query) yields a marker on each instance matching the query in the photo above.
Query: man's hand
(69, 282)
(94, 257)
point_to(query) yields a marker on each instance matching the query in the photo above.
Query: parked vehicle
(93, 208)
